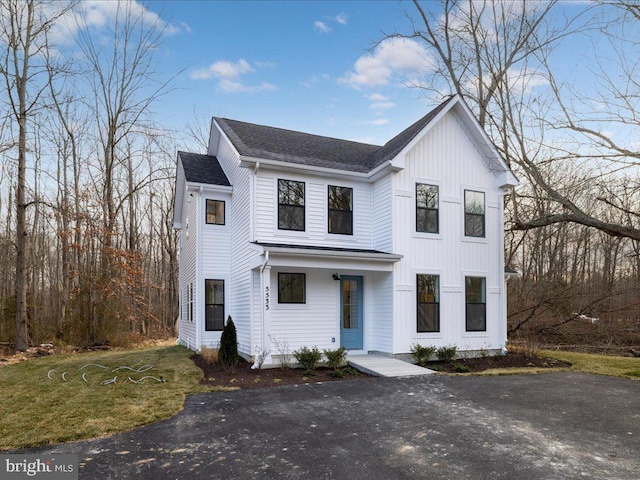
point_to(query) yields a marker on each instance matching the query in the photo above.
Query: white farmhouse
(316, 241)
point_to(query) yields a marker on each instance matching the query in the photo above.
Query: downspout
(262, 329)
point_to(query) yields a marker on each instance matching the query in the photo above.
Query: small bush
(228, 353)
(308, 358)
(336, 358)
(461, 368)
(422, 354)
(337, 374)
(210, 355)
(446, 354)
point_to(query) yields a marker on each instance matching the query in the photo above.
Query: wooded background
(87, 171)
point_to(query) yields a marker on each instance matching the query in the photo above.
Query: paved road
(547, 426)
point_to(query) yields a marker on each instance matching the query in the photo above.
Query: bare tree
(23, 30)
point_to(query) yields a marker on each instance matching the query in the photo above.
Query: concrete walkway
(382, 366)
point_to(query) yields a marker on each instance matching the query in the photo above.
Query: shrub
(284, 355)
(210, 355)
(422, 354)
(228, 353)
(461, 368)
(446, 354)
(308, 358)
(336, 358)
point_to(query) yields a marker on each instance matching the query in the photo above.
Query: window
(214, 305)
(341, 210)
(215, 212)
(476, 309)
(290, 205)
(189, 302)
(428, 288)
(426, 208)
(473, 213)
(291, 288)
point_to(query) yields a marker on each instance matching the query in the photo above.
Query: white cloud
(233, 86)
(401, 56)
(377, 97)
(264, 64)
(321, 27)
(377, 122)
(229, 74)
(524, 81)
(100, 14)
(342, 18)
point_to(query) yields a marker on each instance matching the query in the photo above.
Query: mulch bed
(510, 360)
(245, 378)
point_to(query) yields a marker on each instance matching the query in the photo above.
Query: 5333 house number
(266, 298)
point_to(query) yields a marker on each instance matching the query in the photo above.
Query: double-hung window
(291, 288)
(290, 205)
(474, 209)
(476, 304)
(427, 208)
(341, 210)
(215, 212)
(428, 299)
(214, 305)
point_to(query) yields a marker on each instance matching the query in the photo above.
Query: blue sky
(287, 64)
(311, 66)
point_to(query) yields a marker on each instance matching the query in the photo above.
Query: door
(351, 312)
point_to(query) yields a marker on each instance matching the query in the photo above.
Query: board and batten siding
(382, 214)
(238, 289)
(188, 259)
(381, 317)
(316, 212)
(447, 157)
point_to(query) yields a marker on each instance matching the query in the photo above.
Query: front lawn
(61, 398)
(627, 367)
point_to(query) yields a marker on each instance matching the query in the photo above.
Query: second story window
(290, 205)
(474, 214)
(341, 210)
(215, 212)
(426, 208)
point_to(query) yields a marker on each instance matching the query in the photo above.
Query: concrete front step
(382, 366)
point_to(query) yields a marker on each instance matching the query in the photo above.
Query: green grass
(38, 410)
(627, 367)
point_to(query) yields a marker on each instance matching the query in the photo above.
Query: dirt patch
(244, 377)
(510, 360)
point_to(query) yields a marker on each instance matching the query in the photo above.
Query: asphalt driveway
(547, 426)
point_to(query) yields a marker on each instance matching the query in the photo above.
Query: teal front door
(351, 312)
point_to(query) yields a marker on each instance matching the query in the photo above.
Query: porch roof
(315, 256)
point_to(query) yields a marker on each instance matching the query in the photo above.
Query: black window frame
(282, 207)
(210, 325)
(427, 210)
(475, 307)
(340, 212)
(282, 280)
(435, 304)
(468, 216)
(206, 211)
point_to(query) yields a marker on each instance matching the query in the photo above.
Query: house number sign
(266, 298)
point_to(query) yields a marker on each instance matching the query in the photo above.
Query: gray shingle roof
(203, 169)
(272, 143)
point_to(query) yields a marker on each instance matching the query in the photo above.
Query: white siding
(238, 290)
(448, 158)
(382, 313)
(188, 258)
(382, 220)
(314, 323)
(214, 260)
(316, 212)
